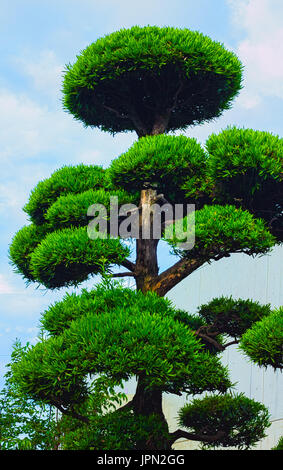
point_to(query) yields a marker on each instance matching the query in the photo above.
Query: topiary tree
(152, 81)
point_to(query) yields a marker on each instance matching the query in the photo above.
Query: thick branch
(161, 121)
(71, 412)
(180, 270)
(176, 96)
(208, 332)
(230, 344)
(128, 273)
(211, 341)
(128, 264)
(127, 406)
(139, 125)
(175, 274)
(115, 111)
(195, 437)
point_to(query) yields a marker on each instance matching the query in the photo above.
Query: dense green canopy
(55, 250)
(69, 256)
(58, 317)
(126, 80)
(69, 179)
(263, 343)
(239, 420)
(72, 209)
(219, 231)
(99, 338)
(23, 245)
(163, 162)
(245, 168)
(232, 317)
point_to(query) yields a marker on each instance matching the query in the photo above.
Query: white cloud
(36, 140)
(261, 49)
(5, 287)
(127, 13)
(27, 128)
(15, 190)
(46, 72)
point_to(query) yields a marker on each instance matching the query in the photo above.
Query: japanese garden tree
(152, 81)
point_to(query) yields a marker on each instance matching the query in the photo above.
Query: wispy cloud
(261, 49)
(45, 71)
(5, 287)
(27, 128)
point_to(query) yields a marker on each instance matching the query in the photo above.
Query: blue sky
(37, 136)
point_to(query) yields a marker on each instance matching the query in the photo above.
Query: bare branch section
(179, 434)
(180, 270)
(175, 274)
(129, 265)
(231, 343)
(209, 332)
(212, 341)
(70, 412)
(128, 273)
(85, 419)
(127, 406)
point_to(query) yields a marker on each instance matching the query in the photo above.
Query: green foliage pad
(243, 421)
(125, 80)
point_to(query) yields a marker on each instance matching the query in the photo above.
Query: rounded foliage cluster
(150, 340)
(245, 168)
(72, 209)
(67, 257)
(46, 372)
(216, 231)
(232, 317)
(239, 421)
(69, 179)
(263, 343)
(163, 162)
(119, 82)
(23, 245)
(58, 317)
(56, 249)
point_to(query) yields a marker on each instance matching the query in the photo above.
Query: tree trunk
(161, 122)
(148, 402)
(146, 260)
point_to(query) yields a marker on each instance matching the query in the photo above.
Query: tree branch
(180, 270)
(118, 114)
(195, 437)
(70, 412)
(127, 406)
(128, 273)
(175, 274)
(176, 96)
(129, 265)
(211, 341)
(230, 344)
